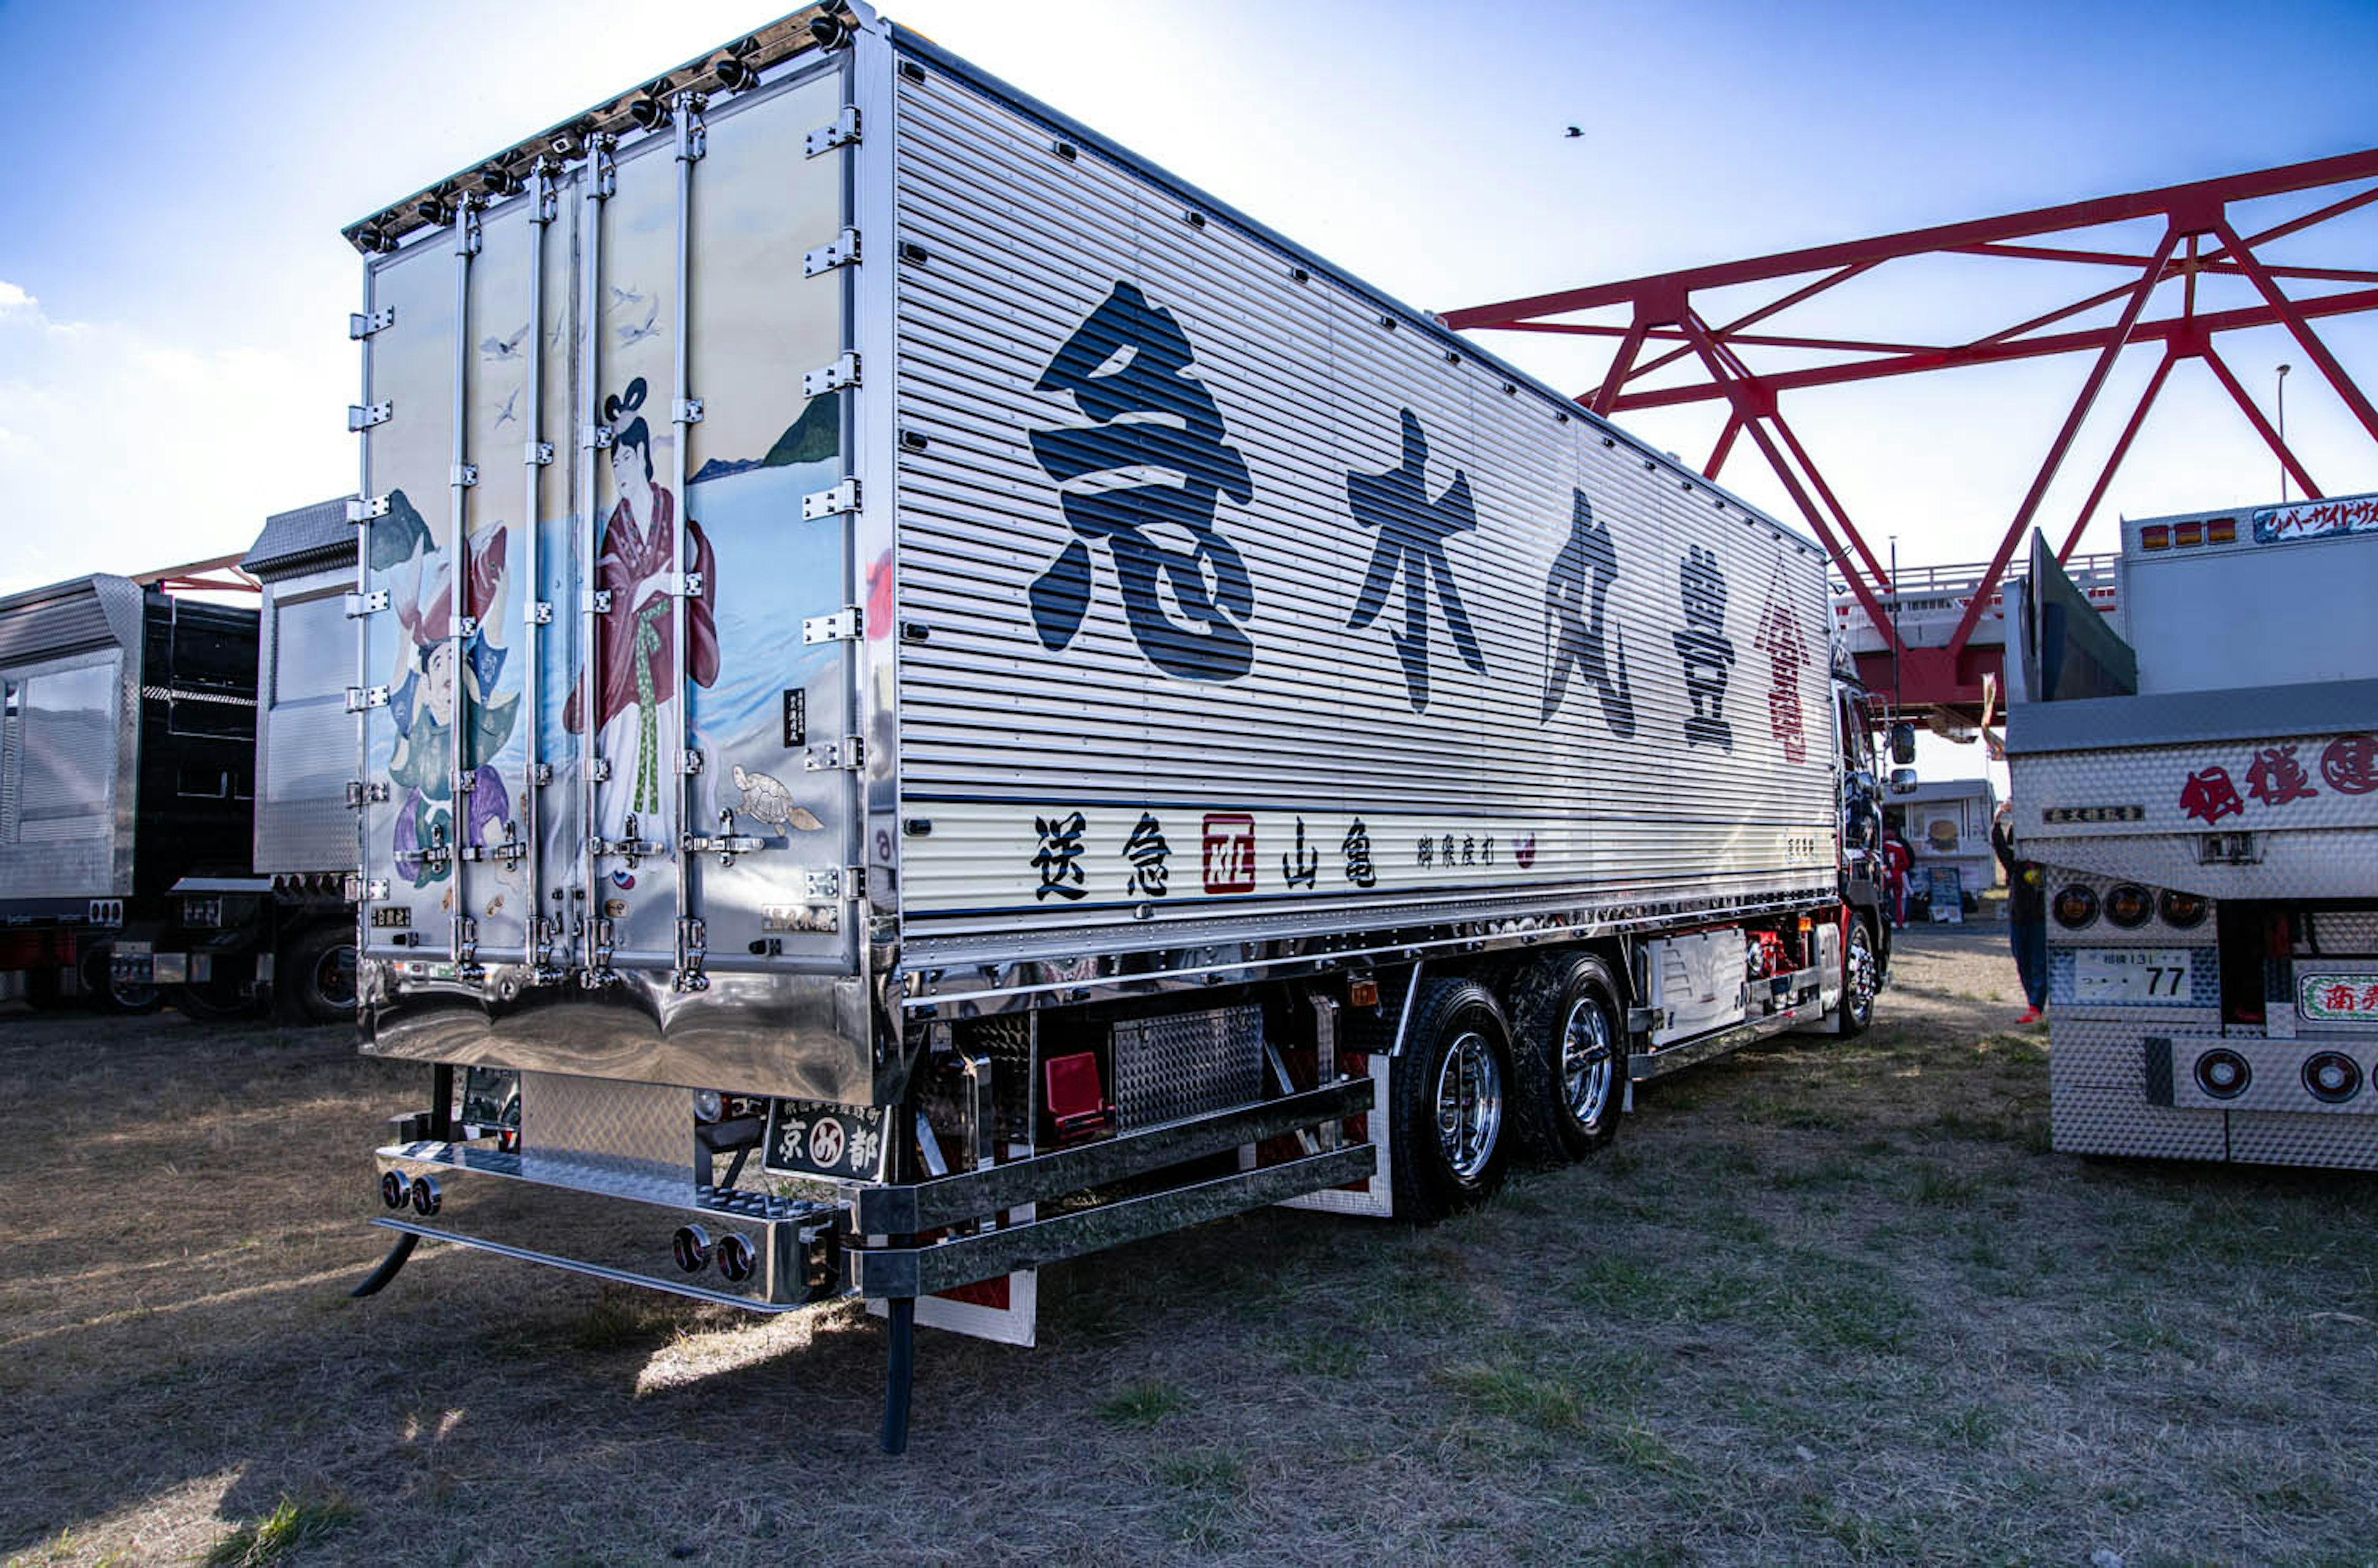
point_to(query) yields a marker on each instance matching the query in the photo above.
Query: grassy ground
(1822, 1302)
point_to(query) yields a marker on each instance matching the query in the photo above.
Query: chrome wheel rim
(1469, 1105)
(1586, 1062)
(334, 976)
(1860, 1001)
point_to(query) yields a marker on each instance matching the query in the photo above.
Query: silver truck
(933, 699)
(2202, 790)
(173, 819)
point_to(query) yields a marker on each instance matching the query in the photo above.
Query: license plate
(810, 1138)
(2133, 977)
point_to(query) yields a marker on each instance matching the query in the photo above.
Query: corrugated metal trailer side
(1237, 600)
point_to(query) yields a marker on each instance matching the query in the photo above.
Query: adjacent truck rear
(2203, 790)
(136, 864)
(933, 701)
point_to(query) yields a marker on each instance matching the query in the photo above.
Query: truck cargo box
(869, 548)
(126, 745)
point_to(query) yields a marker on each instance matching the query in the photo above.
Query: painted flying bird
(1574, 131)
(625, 296)
(504, 348)
(505, 415)
(638, 334)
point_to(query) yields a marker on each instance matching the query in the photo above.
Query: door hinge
(363, 508)
(362, 697)
(843, 625)
(537, 454)
(849, 756)
(844, 132)
(843, 498)
(842, 251)
(362, 417)
(594, 602)
(362, 605)
(360, 327)
(686, 411)
(464, 475)
(354, 889)
(689, 761)
(593, 437)
(843, 372)
(537, 612)
(362, 793)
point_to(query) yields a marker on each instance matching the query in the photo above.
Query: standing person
(2026, 915)
(1896, 860)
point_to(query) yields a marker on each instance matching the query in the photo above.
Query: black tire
(1457, 1059)
(316, 975)
(1861, 978)
(107, 995)
(214, 1001)
(1570, 1034)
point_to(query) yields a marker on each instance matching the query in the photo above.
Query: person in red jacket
(1896, 859)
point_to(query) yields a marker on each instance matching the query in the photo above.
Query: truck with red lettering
(933, 699)
(2202, 790)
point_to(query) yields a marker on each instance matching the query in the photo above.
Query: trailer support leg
(388, 1268)
(899, 1371)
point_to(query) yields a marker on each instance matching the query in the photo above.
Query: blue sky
(173, 289)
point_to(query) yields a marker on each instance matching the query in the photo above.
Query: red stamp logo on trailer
(1230, 852)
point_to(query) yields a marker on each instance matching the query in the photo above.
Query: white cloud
(123, 452)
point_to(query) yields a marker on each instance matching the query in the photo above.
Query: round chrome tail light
(736, 1258)
(426, 1196)
(394, 1193)
(691, 1247)
(2224, 1074)
(2332, 1077)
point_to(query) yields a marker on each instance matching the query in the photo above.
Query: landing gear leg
(899, 1371)
(388, 1268)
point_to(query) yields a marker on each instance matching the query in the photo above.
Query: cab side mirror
(1903, 781)
(1903, 748)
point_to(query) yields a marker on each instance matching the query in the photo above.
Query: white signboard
(2128, 977)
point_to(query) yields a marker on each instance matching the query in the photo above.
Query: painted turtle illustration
(767, 800)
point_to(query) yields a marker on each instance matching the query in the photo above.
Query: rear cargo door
(608, 729)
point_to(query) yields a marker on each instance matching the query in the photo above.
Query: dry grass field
(1822, 1303)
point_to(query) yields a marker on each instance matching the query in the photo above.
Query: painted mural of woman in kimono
(637, 686)
(421, 703)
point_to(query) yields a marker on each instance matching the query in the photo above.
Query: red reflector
(1076, 1102)
(2188, 533)
(2156, 538)
(2223, 531)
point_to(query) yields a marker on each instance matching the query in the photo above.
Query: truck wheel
(1861, 977)
(1448, 1097)
(110, 995)
(216, 1001)
(318, 975)
(1571, 1042)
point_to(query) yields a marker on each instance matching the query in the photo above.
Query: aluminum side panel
(304, 737)
(69, 758)
(1234, 597)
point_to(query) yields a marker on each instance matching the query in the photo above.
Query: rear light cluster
(737, 1259)
(2127, 907)
(421, 1193)
(2332, 1077)
(2189, 536)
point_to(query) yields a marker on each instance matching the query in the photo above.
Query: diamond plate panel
(2345, 931)
(2339, 1142)
(2320, 842)
(2106, 1051)
(630, 1138)
(2275, 1080)
(1167, 1067)
(2101, 1120)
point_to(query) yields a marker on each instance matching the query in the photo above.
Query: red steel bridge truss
(1660, 324)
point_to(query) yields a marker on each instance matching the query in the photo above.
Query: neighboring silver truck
(2203, 791)
(173, 816)
(933, 699)
(127, 747)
